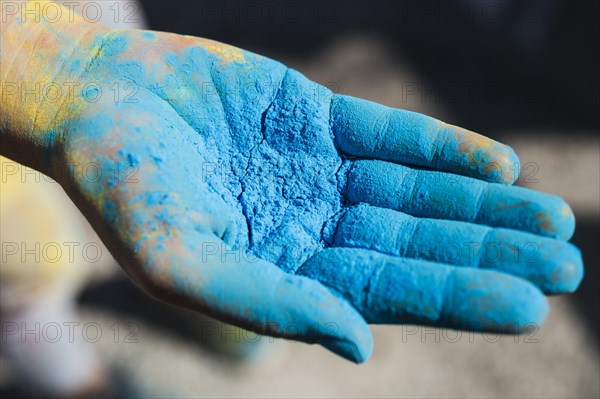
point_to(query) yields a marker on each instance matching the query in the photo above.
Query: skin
(225, 182)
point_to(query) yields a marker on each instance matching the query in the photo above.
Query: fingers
(554, 266)
(204, 274)
(366, 129)
(440, 195)
(392, 290)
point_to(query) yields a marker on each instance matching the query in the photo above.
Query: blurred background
(524, 73)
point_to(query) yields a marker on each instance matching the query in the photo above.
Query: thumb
(258, 296)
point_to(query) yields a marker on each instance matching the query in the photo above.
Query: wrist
(46, 50)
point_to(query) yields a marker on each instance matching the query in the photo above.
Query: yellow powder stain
(36, 96)
(470, 143)
(544, 222)
(226, 53)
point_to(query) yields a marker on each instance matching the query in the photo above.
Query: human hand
(267, 201)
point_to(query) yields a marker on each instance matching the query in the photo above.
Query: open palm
(233, 185)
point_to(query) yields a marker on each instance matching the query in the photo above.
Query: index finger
(366, 129)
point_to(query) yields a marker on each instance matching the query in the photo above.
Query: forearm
(40, 76)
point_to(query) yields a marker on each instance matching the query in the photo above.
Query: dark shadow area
(10, 392)
(120, 295)
(495, 64)
(587, 297)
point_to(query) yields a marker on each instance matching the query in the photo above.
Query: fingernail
(348, 350)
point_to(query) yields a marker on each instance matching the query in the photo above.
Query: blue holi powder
(366, 128)
(244, 152)
(132, 159)
(75, 66)
(388, 289)
(114, 45)
(433, 194)
(275, 163)
(109, 212)
(552, 265)
(91, 93)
